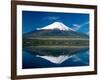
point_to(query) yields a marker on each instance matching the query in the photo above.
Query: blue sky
(33, 19)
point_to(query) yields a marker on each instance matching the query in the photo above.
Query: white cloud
(78, 59)
(78, 26)
(51, 18)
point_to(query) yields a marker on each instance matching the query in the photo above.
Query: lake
(30, 60)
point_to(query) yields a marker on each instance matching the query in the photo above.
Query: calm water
(31, 61)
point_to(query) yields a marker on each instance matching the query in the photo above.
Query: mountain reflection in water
(30, 60)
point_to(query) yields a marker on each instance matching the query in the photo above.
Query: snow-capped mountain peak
(56, 25)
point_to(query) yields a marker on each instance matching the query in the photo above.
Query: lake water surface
(31, 61)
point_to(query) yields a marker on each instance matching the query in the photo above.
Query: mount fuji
(55, 42)
(53, 30)
(56, 25)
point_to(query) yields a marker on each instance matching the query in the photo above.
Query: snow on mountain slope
(56, 25)
(56, 60)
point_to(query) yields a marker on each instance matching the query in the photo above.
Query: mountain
(55, 25)
(53, 30)
(55, 42)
